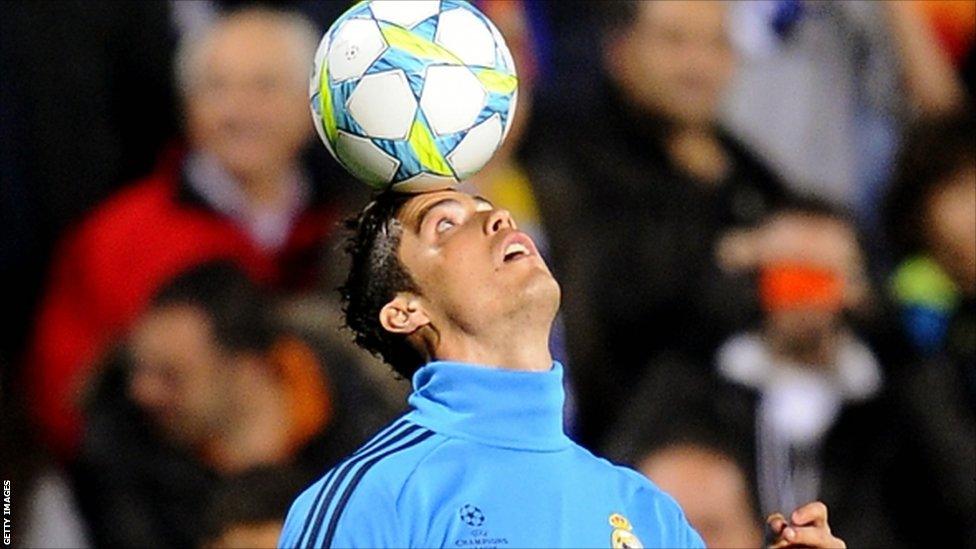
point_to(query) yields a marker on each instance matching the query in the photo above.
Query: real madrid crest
(623, 536)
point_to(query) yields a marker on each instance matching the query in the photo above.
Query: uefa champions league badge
(622, 536)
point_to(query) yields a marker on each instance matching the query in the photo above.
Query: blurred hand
(815, 241)
(807, 528)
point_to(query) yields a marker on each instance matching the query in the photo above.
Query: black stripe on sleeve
(341, 477)
(334, 520)
(378, 442)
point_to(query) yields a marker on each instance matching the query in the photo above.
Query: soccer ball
(413, 95)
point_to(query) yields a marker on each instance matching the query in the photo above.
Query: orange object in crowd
(790, 286)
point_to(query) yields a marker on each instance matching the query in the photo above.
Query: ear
(404, 314)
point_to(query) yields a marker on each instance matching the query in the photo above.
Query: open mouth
(516, 250)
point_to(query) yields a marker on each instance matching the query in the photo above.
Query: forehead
(249, 41)
(414, 209)
(172, 327)
(684, 13)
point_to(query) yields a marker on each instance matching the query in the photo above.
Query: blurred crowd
(762, 215)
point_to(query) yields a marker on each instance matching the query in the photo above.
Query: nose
(497, 220)
(145, 391)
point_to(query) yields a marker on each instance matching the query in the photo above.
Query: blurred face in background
(803, 284)
(246, 96)
(180, 376)
(950, 223)
(675, 60)
(711, 489)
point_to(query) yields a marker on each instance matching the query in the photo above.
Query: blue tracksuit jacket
(481, 461)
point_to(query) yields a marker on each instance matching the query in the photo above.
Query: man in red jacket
(239, 193)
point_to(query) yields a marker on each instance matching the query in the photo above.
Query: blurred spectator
(932, 222)
(240, 191)
(636, 193)
(801, 396)
(694, 453)
(215, 386)
(248, 511)
(825, 87)
(805, 363)
(711, 488)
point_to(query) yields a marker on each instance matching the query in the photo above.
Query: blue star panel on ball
(413, 94)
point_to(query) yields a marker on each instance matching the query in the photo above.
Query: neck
(265, 187)
(696, 149)
(518, 349)
(822, 353)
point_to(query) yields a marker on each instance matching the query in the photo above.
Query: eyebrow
(427, 209)
(443, 202)
(483, 199)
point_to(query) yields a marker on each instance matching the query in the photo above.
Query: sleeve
(358, 514)
(690, 536)
(301, 509)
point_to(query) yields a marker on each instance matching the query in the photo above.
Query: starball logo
(475, 519)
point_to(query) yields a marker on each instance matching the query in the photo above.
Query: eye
(444, 224)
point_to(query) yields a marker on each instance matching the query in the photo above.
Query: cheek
(295, 118)
(198, 389)
(722, 68)
(465, 271)
(952, 218)
(202, 118)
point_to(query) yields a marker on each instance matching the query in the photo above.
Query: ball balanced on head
(413, 95)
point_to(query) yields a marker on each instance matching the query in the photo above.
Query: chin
(543, 291)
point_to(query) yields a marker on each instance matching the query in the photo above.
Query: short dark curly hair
(241, 314)
(376, 275)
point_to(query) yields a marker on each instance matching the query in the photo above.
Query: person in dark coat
(638, 194)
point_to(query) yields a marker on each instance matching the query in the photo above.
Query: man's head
(244, 82)
(204, 331)
(931, 206)
(811, 261)
(441, 271)
(673, 59)
(685, 430)
(712, 488)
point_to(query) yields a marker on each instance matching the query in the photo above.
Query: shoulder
(355, 503)
(656, 515)
(150, 194)
(625, 478)
(123, 217)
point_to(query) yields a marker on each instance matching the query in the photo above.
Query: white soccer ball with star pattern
(413, 95)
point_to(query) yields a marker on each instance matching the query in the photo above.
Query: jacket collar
(491, 405)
